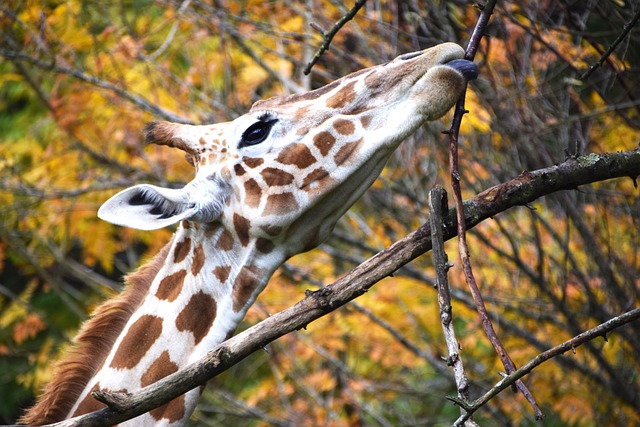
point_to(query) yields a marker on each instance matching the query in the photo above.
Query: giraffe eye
(256, 133)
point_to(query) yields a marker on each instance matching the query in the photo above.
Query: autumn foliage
(79, 80)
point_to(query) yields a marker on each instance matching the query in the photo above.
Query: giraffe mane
(91, 346)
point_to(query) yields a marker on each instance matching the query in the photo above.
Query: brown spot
(343, 96)
(347, 151)
(162, 367)
(222, 273)
(89, 404)
(211, 158)
(375, 80)
(225, 241)
(211, 228)
(245, 285)
(202, 141)
(300, 114)
(242, 225)
(365, 121)
(296, 154)
(252, 162)
(139, 339)
(173, 411)
(274, 177)
(314, 176)
(198, 260)
(302, 130)
(253, 193)
(264, 245)
(182, 250)
(198, 316)
(185, 224)
(344, 127)
(280, 203)
(324, 141)
(171, 286)
(271, 230)
(238, 169)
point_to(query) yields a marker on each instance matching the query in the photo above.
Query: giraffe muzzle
(467, 68)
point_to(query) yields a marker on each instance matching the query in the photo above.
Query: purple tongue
(468, 69)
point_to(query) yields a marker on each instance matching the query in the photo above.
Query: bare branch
(327, 36)
(625, 30)
(438, 208)
(569, 345)
(136, 100)
(463, 248)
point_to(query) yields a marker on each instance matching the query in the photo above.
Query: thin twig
(463, 248)
(327, 36)
(570, 345)
(135, 99)
(172, 32)
(437, 209)
(625, 30)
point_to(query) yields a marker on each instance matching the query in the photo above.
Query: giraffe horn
(167, 133)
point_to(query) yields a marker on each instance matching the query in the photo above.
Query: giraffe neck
(207, 283)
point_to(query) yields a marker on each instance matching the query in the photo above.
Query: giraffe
(268, 185)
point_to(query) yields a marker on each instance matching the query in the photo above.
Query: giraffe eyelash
(257, 132)
(266, 116)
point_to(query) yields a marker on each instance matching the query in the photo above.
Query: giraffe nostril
(410, 55)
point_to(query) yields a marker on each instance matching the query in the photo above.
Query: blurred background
(79, 79)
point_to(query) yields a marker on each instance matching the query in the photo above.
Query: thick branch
(519, 191)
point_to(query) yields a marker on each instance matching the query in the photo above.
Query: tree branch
(569, 345)
(438, 208)
(463, 248)
(519, 191)
(625, 30)
(327, 36)
(133, 98)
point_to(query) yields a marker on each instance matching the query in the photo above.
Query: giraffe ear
(147, 207)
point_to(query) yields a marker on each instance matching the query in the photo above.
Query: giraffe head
(289, 168)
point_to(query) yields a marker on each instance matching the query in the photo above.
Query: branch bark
(519, 191)
(437, 208)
